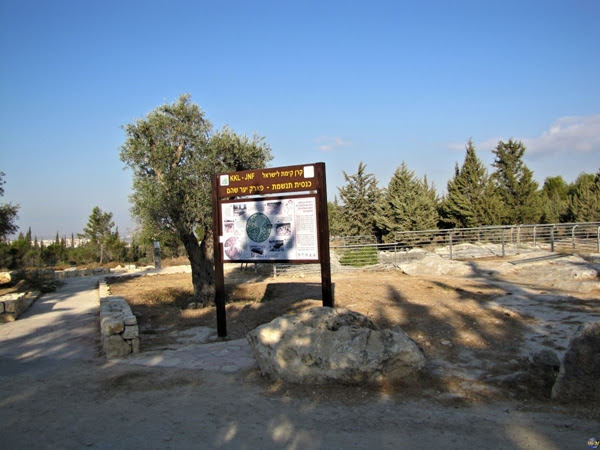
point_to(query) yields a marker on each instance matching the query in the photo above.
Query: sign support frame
(254, 185)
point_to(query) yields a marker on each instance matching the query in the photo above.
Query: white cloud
(567, 135)
(328, 143)
(571, 134)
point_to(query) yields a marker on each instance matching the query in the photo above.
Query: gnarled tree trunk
(203, 271)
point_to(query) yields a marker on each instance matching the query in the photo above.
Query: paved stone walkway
(59, 325)
(64, 325)
(226, 356)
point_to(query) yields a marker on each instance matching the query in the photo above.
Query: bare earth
(477, 330)
(477, 321)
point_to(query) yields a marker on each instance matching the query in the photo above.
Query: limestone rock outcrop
(579, 376)
(333, 344)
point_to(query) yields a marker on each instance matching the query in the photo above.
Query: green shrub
(365, 256)
(40, 280)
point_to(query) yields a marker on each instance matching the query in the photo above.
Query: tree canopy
(515, 184)
(472, 200)
(173, 152)
(8, 214)
(359, 195)
(584, 205)
(99, 232)
(408, 204)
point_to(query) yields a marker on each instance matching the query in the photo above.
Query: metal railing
(350, 253)
(563, 237)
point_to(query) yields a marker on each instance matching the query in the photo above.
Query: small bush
(365, 256)
(40, 280)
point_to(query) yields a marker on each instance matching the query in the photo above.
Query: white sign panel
(270, 230)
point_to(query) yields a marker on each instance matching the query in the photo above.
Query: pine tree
(99, 231)
(471, 200)
(555, 196)
(336, 218)
(359, 196)
(584, 200)
(407, 204)
(516, 186)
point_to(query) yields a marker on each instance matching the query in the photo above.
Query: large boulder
(333, 344)
(579, 376)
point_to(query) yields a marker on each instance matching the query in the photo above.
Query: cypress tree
(584, 201)
(359, 196)
(408, 204)
(515, 183)
(555, 196)
(471, 200)
(336, 217)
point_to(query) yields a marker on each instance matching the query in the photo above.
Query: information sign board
(280, 229)
(270, 215)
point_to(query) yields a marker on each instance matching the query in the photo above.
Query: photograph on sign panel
(270, 230)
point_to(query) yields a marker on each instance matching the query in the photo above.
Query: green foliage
(336, 218)
(555, 200)
(40, 281)
(584, 198)
(515, 184)
(173, 153)
(472, 200)
(102, 240)
(365, 256)
(408, 204)
(359, 195)
(8, 214)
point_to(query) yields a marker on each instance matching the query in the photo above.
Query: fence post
(450, 237)
(598, 240)
(503, 239)
(552, 238)
(573, 236)
(534, 230)
(519, 237)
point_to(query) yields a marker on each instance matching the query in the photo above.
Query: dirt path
(57, 393)
(72, 404)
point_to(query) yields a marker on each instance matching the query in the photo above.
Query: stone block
(115, 347)
(5, 277)
(111, 326)
(12, 305)
(130, 332)
(135, 345)
(1, 307)
(130, 320)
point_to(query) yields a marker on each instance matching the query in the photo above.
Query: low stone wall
(13, 305)
(118, 326)
(70, 273)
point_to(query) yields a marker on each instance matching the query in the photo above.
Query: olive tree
(173, 152)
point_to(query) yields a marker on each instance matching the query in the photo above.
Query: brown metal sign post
(270, 215)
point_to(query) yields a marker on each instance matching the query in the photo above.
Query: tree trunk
(203, 271)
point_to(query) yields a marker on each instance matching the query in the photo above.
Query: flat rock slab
(226, 356)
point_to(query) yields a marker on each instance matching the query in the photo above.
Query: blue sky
(335, 81)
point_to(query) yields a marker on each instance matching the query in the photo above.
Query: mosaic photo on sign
(274, 229)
